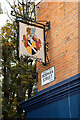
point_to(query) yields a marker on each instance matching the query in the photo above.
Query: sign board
(47, 76)
(31, 41)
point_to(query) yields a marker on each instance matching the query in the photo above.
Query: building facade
(63, 39)
(61, 97)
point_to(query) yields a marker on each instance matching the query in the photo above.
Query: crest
(31, 41)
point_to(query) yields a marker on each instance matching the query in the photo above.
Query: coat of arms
(31, 42)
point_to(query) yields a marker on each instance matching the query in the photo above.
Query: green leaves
(19, 76)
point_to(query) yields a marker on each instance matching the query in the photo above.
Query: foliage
(19, 74)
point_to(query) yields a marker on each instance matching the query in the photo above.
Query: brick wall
(62, 39)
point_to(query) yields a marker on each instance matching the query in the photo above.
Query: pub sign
(31, 41)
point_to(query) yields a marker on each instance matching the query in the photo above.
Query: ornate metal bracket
(47, 58)
(30, 20)
(48, 26)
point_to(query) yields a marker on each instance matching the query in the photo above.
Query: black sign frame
(40, 25)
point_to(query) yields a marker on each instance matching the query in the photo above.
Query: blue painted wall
(66, 107)
(61, 100)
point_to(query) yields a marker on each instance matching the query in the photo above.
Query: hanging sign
(47, 76)
(31, 41)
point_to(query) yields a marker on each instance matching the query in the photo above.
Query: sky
(6, 9)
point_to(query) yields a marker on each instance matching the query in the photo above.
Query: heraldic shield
(31, 41)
